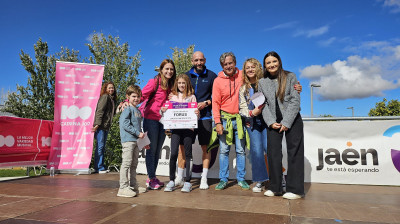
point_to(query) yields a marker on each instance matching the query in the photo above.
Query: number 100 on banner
(180, 115)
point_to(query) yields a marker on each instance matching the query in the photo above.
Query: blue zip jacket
(130, 124)
(202, 85)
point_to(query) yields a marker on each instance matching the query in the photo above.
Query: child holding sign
(183, 92)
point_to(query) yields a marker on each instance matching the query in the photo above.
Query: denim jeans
(130, 156)
(224, 155)
(258, 146)
(156, 133)
(101, 138)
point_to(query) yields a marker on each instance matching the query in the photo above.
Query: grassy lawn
(20, 171)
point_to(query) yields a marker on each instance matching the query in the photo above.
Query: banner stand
(77, 91)
(71, 171)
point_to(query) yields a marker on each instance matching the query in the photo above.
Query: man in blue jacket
(202, 81)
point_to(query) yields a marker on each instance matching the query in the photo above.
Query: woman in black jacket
(106, 107)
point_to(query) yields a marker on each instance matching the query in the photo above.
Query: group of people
(226, 113)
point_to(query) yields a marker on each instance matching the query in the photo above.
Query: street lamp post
(313, 85)
(352, 110)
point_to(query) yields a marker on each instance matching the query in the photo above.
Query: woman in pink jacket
(155, 93)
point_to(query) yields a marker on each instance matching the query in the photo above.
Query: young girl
(182, 92)
(155, 93)
(282, 115)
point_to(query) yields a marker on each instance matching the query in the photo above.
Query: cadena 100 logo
(394, 153)
(73, 112)
(7, 141)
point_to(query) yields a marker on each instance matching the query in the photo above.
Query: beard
(200, 70)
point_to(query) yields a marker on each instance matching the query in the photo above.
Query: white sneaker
(126, 193)
(103, 171)
(179, 181)
(203, 184)
(138, 190)
(269, 193)
(170, 186)
(291, 196)
(257, 188)
(187, 187)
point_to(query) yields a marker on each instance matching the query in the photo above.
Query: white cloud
(282, 26)
(313, 32)
(328, 42)
(357, 77)
(393, 4)
(397, 52)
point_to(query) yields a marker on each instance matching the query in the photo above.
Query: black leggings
(178, 136)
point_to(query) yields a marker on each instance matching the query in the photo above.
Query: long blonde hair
(259, 74)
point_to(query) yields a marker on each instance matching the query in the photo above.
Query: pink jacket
(153, 107)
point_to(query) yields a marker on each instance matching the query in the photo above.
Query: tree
(385, 108)
(121, 69)
(36, 100)
(182, 60)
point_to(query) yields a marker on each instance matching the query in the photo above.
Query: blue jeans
(258, 146)
(101, 138)
(156, 133)
(224, 155)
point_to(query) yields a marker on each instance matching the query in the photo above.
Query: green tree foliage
(182, 59)
(36, 100)
(385, 108)
(326, 115)
(121, 69)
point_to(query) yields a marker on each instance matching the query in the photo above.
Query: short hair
(134, 89)
(226, 54)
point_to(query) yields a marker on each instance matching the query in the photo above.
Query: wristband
(251, 113)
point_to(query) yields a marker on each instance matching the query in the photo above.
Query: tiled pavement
(92, 199)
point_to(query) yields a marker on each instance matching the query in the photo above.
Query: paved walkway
(92, 199)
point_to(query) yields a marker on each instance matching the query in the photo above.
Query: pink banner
(77, 91)
(24, 142)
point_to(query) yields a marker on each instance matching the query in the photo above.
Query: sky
(350, 48)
